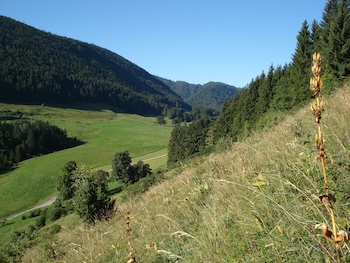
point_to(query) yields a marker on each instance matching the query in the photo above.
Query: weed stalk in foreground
(132, 258)
(318, 107)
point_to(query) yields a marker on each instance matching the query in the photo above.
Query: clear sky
(197, 41)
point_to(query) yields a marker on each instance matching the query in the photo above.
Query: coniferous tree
(338, 48)
(316, 37)
(185, 141)
(265, 92)
(176, 144)
(300, 67)
(329, 12)
(282, 98)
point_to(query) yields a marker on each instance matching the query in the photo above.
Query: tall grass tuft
(327, 198)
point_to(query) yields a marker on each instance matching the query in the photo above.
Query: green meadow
(103, 132)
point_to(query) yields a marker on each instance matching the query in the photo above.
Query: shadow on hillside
(78, 105)
(88, 107)
(73, 142)
(4, 171)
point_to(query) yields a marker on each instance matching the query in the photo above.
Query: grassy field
(257, 201)
(104, 133)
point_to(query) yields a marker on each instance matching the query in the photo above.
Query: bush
(41, 221)
(56, 213)
(34, 213)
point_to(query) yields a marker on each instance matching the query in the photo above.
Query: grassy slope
(105, 133)
(213, 211)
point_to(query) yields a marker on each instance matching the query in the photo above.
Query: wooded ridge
(40, 67)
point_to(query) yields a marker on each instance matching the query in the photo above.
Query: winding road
(46, 203)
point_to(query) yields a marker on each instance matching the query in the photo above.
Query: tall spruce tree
(300, 67)
(329, 12)
(338, 48)
(316, 37)
(265, 92)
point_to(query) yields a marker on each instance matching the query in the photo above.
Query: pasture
(104, 133)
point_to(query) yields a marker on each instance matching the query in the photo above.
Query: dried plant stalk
(318, 107)
(132, 258)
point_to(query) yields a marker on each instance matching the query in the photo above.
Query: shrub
(56, 213)
(40, 222)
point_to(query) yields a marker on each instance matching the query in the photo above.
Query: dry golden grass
(255, 202)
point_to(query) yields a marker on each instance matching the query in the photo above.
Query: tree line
(23, 139)
(188, 140)
(269, 96)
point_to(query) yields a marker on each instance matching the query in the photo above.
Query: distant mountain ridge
(39, 67)
(211, 94)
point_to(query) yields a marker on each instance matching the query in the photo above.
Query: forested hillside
(210, 95)
(39, 67)
(284, 88)
(182, 88)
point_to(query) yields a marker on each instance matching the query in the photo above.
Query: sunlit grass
(104, 132)
(255, 202)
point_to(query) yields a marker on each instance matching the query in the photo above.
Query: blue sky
(197, 41)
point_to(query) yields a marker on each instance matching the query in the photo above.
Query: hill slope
(257, 201)
(211, 94)
(39, 67)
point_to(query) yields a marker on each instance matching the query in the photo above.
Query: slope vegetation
(212, 95)
(256, 201)
(39, 67)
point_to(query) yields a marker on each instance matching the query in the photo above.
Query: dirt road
(46, 203)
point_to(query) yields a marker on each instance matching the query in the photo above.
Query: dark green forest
(285, 88)
(182, 88)
(188, 140)
(23, 139)
(39, 67)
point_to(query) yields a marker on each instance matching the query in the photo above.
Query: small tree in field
(126, 173)
(161, 120)
(140, 170)
(121, 167)
(91, 201)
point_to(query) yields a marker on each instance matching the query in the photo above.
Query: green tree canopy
(66, 186)
(121, 167)
(91, 201)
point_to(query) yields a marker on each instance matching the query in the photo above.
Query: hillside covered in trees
(210, 95)
(39, 67)
(284, 88)
(270, 96)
